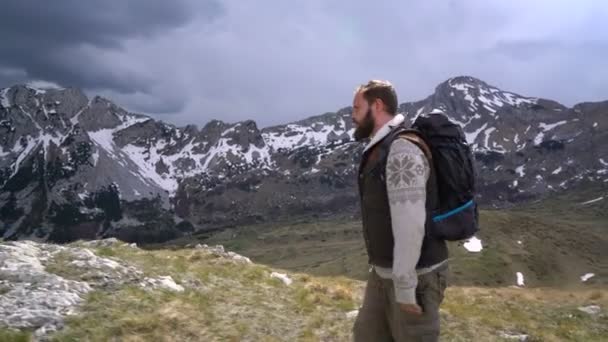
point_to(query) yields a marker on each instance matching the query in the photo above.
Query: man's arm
(407, 171)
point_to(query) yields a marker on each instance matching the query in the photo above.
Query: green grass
(3, 290)
(229, 301)
(560, 241)
(60, 265)
(224, 300)
(544, 314)
(139, 314)
(9, 335)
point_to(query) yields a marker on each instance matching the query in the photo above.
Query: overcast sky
(190, 61)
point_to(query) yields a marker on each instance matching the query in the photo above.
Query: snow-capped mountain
(77, 167)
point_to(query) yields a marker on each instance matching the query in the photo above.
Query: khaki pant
(381, 319)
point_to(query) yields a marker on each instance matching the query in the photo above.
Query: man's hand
(413, 309)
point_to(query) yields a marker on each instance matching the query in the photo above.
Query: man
(408, 270)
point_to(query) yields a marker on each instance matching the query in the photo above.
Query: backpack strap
(415, 138)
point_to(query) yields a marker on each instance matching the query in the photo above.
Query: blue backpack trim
(453, 212)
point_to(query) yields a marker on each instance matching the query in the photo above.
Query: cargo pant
(381, 318)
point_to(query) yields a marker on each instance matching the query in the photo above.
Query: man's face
(363, 118)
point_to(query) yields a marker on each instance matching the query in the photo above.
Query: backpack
(455, 214)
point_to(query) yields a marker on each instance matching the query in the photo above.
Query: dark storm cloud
(277, 61)
(63, 40)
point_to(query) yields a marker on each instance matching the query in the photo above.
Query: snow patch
(548, 127)
(587, 276)
(95, 156)
(488, 132)
(593, 200)
(296, 135)
(557, 171)
(147, 166)
(473, 245)
(471, 137)
(469, 98)
(31, 143)
(539, 138)
(520, 279)
(74, 119)
(520, 170)
(104, 139)
(4, 101)
(516, 100)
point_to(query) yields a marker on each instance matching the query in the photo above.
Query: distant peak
(464, 81)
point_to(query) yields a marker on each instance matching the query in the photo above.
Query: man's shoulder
(408, 144)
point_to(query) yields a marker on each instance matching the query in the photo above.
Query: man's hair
(383, 90)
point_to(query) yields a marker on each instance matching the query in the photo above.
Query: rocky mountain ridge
(73, 167)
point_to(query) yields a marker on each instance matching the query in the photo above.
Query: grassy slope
(560, 241)
(237, 302)
(226, 301)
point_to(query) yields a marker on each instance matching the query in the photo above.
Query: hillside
(74, 167)
(553, 242)
(104, 290)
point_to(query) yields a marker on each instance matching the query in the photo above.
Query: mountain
(73, 167)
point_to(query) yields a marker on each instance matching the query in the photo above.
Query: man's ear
(379, 104)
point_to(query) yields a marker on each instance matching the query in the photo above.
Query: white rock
(283, 277)
(35, 299)
(239, 258)
(517, 337)
(164, 282)
(219, 249)
(590, 309)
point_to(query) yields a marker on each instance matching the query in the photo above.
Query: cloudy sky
(275, 61)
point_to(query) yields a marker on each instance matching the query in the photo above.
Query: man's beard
(365, 128)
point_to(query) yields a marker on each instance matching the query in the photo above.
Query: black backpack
(455, 214)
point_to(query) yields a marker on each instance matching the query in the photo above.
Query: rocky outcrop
(41, 284)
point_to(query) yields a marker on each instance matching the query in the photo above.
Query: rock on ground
(32, 297)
